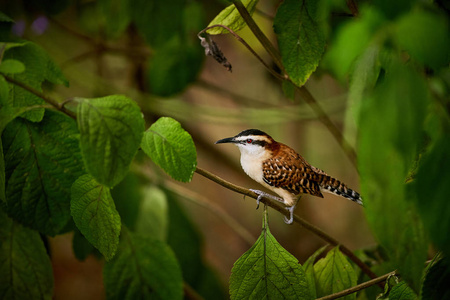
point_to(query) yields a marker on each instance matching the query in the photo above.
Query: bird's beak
(226, 140)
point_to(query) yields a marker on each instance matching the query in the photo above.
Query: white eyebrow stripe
(253, 137)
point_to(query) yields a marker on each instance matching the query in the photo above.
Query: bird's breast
(253, 166)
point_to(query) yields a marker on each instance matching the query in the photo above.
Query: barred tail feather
(334, 186)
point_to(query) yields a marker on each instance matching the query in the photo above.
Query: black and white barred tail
(334, 186)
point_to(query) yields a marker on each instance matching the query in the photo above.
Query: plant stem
(297, 219)
(358, 287)
(258, 33)
(55, 103)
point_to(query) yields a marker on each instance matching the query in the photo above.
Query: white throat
(252, 157)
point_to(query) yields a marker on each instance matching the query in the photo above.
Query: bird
(282, 170)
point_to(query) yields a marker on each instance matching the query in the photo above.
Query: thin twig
(246, 45)
(297, 219)
(258, 33)
(55, 103)
(358, 287)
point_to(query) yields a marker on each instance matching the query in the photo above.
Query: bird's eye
(249, 141)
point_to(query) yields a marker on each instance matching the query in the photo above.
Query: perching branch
(53, 102)
(297, 219)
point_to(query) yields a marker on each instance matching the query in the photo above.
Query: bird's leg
(262, 194)
(291, 214)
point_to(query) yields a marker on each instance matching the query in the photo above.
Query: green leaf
(391, 124)
(153, 214)
(111, 130)
(435, 284)
(39, 68)
(11, 66)
(308, 266)
(425, 36)
(402, 291)
(25, 268)
(300, 38)
(173, 66)
(231, 18)
(80, 245)
(158, 21)
(143, 268)
(334, 274)
(2, 174)
(432, 189)
(171, 148)
(95, 215)
(268, 271)
(344, 51)
(42, 160)
(127, 197)
(185, 240)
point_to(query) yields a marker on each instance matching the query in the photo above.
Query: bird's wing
(292, 173)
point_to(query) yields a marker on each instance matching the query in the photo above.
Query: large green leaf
(173, 66)
(425, 36)
(143, 268)
(402, 291)
(300, 38)
(153, 214)
(185, 240)
(95, 215)
(127, 196)
(391, 123)
(111, 130)
(231, 18)
(25, 268)
(172, 148)
(268, 271)
(435, 284)
(39, 68)
(334, 274)
(308, 266)
(158, 21)
(432, 189)
(42, 160)
(344, 50)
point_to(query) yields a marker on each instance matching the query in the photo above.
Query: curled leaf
(213, 50)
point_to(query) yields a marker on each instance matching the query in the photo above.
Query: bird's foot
(262, 194)
(291, 215)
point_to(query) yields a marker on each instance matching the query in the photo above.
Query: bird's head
(250, 141)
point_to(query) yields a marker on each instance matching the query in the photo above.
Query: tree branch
(55, 103)
(297, 219)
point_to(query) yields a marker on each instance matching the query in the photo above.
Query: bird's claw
(260, 195)
(291, 215)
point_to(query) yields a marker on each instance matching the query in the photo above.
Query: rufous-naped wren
(282, 170)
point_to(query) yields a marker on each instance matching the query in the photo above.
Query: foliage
(64, 166)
